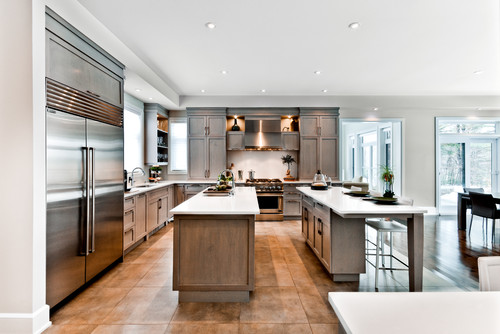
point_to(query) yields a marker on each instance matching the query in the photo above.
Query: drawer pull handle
(94, 94)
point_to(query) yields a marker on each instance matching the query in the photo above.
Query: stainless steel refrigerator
(84, 201)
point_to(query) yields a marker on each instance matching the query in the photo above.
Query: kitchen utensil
(251, 174)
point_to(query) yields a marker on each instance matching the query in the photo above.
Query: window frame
(171, 122)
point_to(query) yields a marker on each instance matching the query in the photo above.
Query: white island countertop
(416, 313)
(243, 202)
(345, 205)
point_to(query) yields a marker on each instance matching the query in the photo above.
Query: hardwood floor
(291, 286)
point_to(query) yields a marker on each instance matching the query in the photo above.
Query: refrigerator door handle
(92, 249)
(87, 198)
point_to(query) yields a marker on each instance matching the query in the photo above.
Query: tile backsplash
(266, 164)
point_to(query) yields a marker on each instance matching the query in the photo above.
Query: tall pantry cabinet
(206, 142)
(319, 140)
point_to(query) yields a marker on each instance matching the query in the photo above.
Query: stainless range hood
(263, 133)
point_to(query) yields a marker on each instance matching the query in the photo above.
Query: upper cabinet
(156, 134)
(318, 142)
(76, 62)
(206, 142)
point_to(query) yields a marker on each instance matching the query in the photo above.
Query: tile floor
(290, 292)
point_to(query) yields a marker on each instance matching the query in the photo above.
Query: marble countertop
(243, 202)
(342, 204)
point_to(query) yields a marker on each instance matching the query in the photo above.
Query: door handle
(87, 199)
(159, 202)
(92, 249)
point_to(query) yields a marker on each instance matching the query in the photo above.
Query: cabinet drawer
(156, 194)
(128, 237)
(308, 201)
(129, 203)
(129, 219)
(195, 187)
(322, 211)
(292, 207)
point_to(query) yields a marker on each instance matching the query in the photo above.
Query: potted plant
(387, 175)
(288, 160)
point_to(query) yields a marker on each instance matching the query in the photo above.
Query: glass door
(465, 162)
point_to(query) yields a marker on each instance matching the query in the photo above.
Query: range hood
(263, 133)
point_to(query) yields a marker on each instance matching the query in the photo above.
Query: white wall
(22, 150)
(266, 164)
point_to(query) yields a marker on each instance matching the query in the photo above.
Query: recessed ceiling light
(317, 72)
(210, 25)
(478, 109)
(223, 72)
(478, 72)
(203, 91)
(150, 98)
(354, 25)
(325, 90)
(262, 90)
(375, 108)
(137, 90)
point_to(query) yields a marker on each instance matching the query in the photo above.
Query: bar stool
(381, 226)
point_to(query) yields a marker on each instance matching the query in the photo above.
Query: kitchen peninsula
(333, 224)
(214, 247)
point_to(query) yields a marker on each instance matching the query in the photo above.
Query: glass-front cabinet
(156, 134)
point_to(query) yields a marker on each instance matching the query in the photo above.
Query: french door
(465, 162)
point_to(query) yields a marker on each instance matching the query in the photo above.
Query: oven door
(270, 206)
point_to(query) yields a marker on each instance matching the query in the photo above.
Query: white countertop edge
(374, 209)
(243, 202)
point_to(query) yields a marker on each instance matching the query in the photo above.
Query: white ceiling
(402, 47)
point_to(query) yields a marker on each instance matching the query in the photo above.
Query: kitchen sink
(145, 185)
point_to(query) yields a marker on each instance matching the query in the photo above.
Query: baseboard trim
(35, 322)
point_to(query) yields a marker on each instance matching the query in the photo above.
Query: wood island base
(213, 257)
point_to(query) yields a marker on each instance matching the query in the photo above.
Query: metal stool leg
(390, 241)
(382, 248)
(470, 225)
(379, 239)
(493, 232)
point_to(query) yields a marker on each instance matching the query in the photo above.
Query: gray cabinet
(290, 141)
(157, 208)
(235, 140)
(155, 134)
(292, 202)
(134, 220)
(318, 142)
(316, 228)
(68, 65)
(206, 143)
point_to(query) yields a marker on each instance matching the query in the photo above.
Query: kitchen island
(214, 240)
(334, 226)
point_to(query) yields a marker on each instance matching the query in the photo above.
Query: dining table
(454, 312)
(463, 201)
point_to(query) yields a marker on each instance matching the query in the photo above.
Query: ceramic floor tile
(152, 255)
(130, 329)
(324, 328)
(270, 274)
(273, 305)
(275, 329)
(73, 329)
(160, 275)
(190, 328)
(144, 306)
(124, 275)
(207, 313)
(316, 305)
(89, 307)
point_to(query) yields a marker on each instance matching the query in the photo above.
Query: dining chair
(483, 205)
(468, 190)
(489, 273)
(381, 226)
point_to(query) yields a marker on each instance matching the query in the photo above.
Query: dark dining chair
(476, 190)
(483, 205)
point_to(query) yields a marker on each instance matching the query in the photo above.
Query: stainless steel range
(269, 196)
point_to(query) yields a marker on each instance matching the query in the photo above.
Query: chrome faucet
(133, 171)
